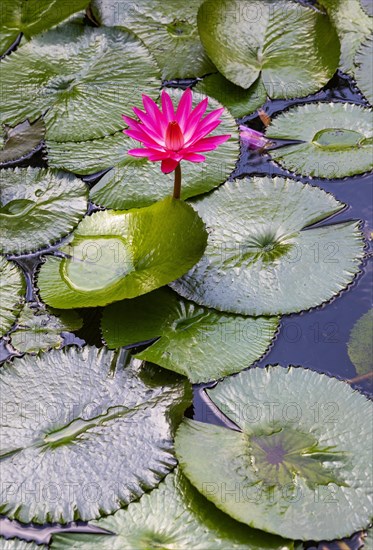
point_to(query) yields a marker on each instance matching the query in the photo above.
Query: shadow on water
(316, 339)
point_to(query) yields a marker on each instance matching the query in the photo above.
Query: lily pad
(121, 254)
(364, 62)
(172, 516)
(12, 290)
(167, 27)
(38, 329)
(198, 342)
(84, 434)
(32, 17)
(336, 139)
(38, 207)
(238, 101)
(16, 544)
(80, 78)
(270, 40)
(368, 543)
(135, 181)
(360, 345)
(261, 256)
(353, 26)
(21, 142)
(302, 450)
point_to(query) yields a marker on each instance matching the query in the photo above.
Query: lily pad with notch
(12, 291)
(87, 431)
(114, 255)
(82, 79)
(335, 139)
(167, 27)
(127, 184)
(200, 343)
(32, 201)
(32, 17)
(262, 255)
(21, 142)
(270, 41)
(291, 457)
(174, 515)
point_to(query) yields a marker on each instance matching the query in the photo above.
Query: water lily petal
(168, 165)
(184, 109)
(167, 108)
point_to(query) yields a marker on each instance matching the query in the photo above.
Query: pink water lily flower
(170, 135)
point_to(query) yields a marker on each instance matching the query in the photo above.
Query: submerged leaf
(114, 255)
(12, 289)
(302, 450)
(38, 207)
(84, 433)
(21, 142)
(173, 516)
(39, 329)
(270, 40)
(198, 342)
(261, 256)
(336, 139)
(81, 78)
(360, 344)
(32, 17)
(136, 182)
(167, 27)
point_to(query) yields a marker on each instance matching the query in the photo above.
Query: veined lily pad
(261, 258)
(81, 78)
(84, 434)
(173, 516)
(167, 27)
(360, 345)
(135, 181)
(16, 544)
(353, 27)
(38, 207)
(121, 254)
(364, 62)
(368, 543)
(238, 101)
(337, 139)
(300, 460)
(39, 329)
(271, 40)
(32, 17)
(12, 289)
(198, 342)
(21, 142)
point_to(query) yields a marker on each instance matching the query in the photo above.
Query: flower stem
(177, 182)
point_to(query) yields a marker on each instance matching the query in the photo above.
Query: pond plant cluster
(121, 126)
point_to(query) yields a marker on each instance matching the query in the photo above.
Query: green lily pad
(81, 78)
(39, 329)
(84, 434)
(218, 344)
(261, 258)
(167, 27)
(353, 26)
(114, 255)
(21, 142)
(299, 461)
(246, 41)
(135, 181)
(364, 70)
(32, 17)
(38, 207)
(173, 516)
(238, 101)
(12, 290)
(368, 542)
(337, 139)
(360, 345)
(16, 544)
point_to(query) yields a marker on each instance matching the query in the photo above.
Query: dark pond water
(316, 339)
